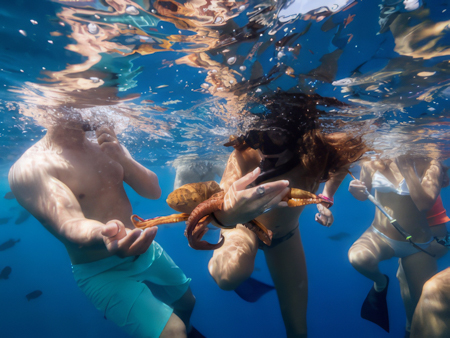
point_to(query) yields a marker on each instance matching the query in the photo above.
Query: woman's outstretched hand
(241, 205)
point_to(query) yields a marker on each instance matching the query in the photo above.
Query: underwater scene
(209, 168)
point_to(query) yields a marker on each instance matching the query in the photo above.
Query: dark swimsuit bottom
(276, 241)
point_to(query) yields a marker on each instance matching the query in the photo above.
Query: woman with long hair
(286, 148)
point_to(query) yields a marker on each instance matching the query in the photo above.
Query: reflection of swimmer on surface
(192, 169)
(74, 187)
(295, 155)
(390, 9)
(406, 187)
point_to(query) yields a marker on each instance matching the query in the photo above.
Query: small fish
(339, 236)
(4, 220)
(5, 272)
(162, 86)
(375, 77)
(33, 295)
(9, 196)
(23, 216)
(8, 244)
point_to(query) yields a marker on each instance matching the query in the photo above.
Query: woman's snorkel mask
(276, 146)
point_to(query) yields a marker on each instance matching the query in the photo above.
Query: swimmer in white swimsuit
(406, 187)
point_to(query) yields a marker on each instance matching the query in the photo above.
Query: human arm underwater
(325, 216)
(242, 205)
(55, 206)
(423, 192)
(359, 188)
(142, 180)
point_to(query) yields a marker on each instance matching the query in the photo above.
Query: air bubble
(231, 60)
(132, 10)
(93, 28)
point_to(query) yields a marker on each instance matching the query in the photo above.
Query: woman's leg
(439, 251)
(287, 267)
(418, 268)
(432, 315)
(367, 252)
(406, 295)
(233, 263)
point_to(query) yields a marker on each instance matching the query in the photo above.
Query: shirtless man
(74, 187)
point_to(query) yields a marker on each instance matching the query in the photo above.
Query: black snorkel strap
(266, 175)
(394, 222)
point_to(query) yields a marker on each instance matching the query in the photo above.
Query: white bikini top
(382, 184)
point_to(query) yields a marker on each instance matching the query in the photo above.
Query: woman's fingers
(324, 216)
(244, 181)
(273, 195)
(269, 190)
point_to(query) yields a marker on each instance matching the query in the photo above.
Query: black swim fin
(194, 333)
(375, 308)
(251, 290)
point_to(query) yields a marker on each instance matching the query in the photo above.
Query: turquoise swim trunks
(134, 292)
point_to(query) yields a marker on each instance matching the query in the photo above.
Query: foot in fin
(251, 290)
(375, 308)
(194, 333)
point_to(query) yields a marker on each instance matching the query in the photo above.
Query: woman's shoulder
(247, 159)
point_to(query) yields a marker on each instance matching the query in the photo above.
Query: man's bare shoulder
(36, 161)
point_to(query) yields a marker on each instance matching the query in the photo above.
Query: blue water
(175, 108)
(336, 290)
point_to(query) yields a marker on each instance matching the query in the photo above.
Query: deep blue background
(336, 292)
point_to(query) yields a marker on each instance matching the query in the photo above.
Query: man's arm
(143, 181)
(54, 205)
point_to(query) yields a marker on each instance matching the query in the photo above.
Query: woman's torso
(392, 191)
(279, 221)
